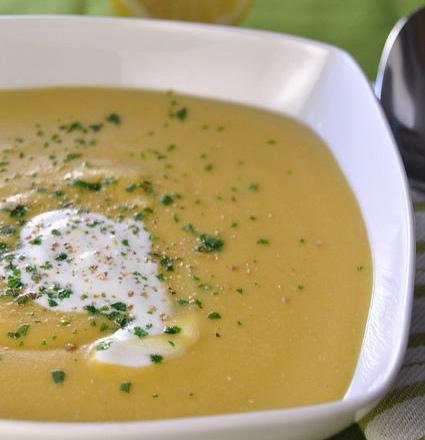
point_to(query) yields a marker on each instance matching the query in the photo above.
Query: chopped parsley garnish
(146, 186)
(156, 358)
(189, 228)
(214, 315)
(62, 257)
(83, 184)
(46, 265)
(161, 277)
(125, 387)
(73, 126)
(36, 241)
(116, 313)
(172, 330)
(96, 127)
(119, 306)
(208, 167)
(7, 230)
(55, 293)
(58, 193)
(18, 211)
(113, 118)
(209, 243)
(21, 332)
(166, 199)
(104, 345)
(125, 242)
(56, 232)
(253, 186)
(167, 263)
(14, 279)
(58, 376)
(181, 114)
(263, 241)
(131, 187)
(140, 332)
(72, 156)
(92, 186)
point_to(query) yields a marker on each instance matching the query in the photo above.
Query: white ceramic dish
(315, 83)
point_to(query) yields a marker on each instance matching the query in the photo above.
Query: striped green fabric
(361, 27)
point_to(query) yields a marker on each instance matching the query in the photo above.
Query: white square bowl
(315, 83)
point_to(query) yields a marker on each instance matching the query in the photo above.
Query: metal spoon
(400, 86)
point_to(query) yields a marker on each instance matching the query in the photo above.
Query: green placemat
(360, 27)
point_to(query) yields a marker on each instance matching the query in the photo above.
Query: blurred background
(359, 26)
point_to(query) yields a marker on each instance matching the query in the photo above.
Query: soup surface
(166, 256)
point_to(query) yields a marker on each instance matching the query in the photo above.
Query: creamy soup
(166, 256)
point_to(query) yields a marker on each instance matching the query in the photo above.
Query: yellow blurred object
(208, 11)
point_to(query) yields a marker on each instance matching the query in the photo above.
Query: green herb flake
(122, 307)
(181, 114)
(156, 358)
(253, 186)
(96, 127)
(7, 230)
(125, 387)
(172, 330)
(72, 156)
(214, 315)
(263, 241)
(209, 243)
(189, 228)
(83, 184)
(131, 187)
(36, 241)
(167, 263)
(21, 332)
(113, 118)
(208, 167)
(140, 333)
(58, 376)
(14, 280)
(104, 345)
(62, 257)
(166, 199)
(18, 211)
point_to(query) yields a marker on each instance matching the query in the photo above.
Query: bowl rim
(252, 418)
